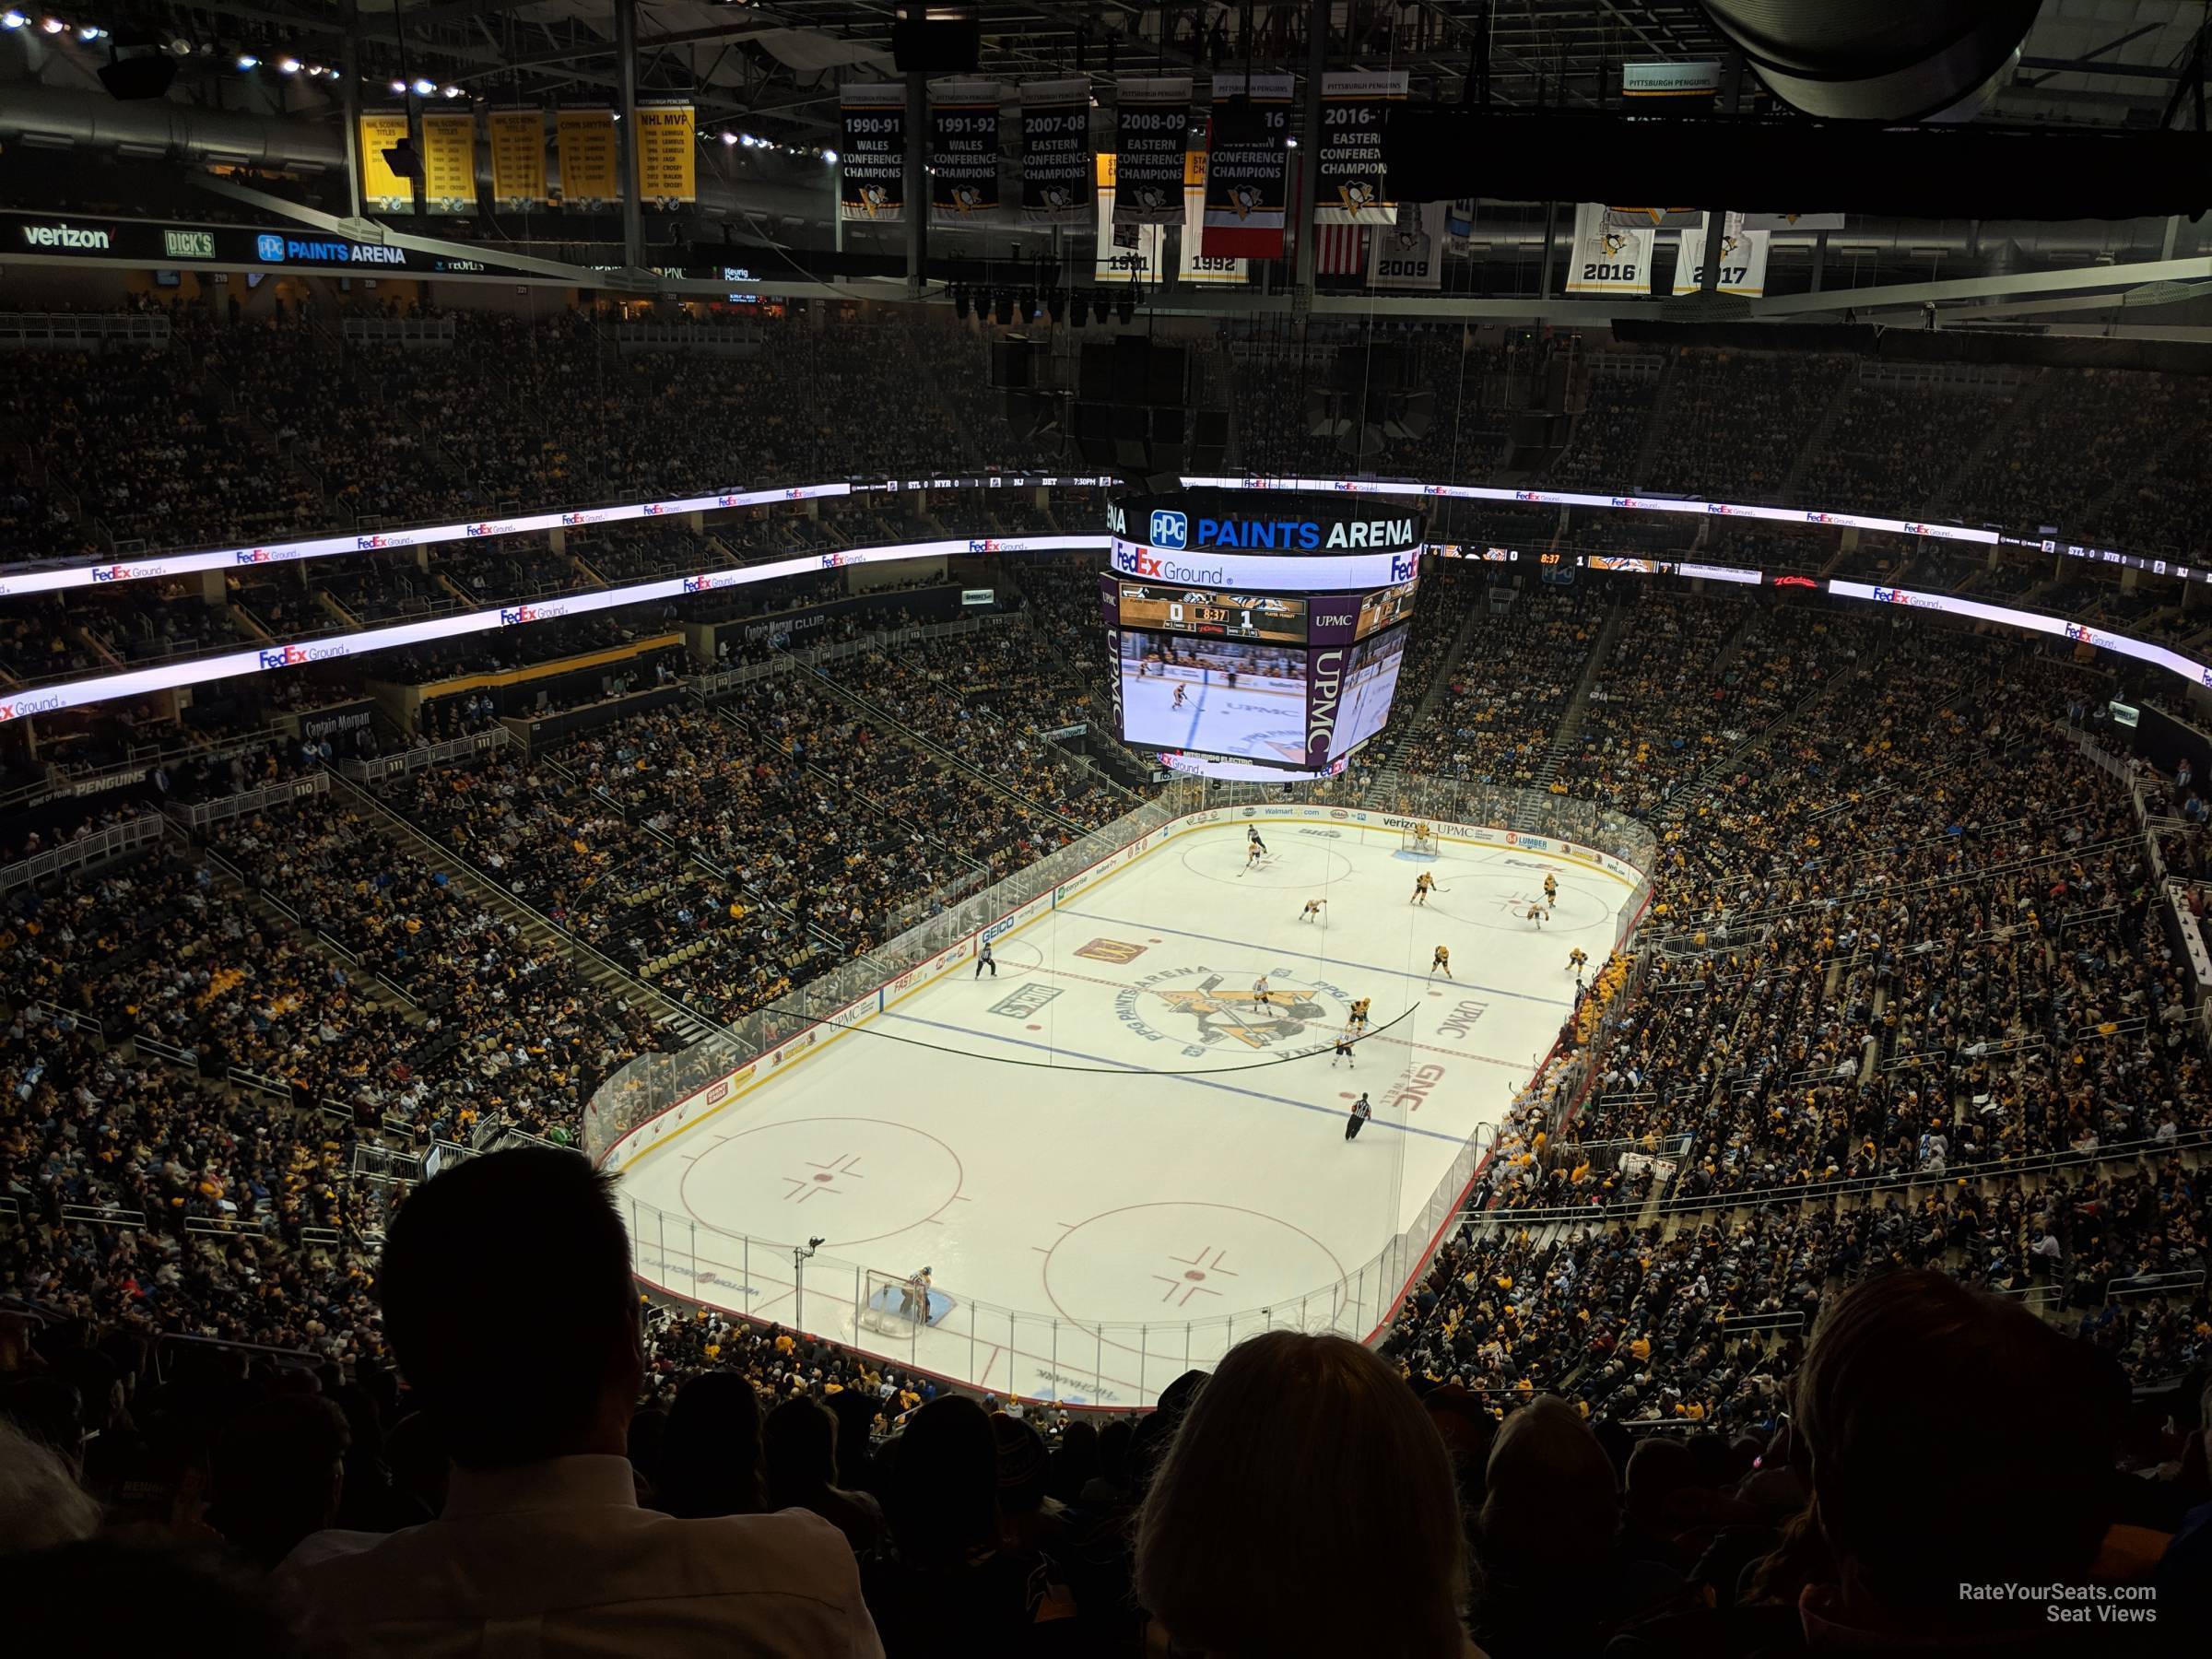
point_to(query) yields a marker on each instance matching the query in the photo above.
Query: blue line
(1201, 1081)
(1555, 1002)
(1190, 738)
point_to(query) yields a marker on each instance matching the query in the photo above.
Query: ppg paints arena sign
(1233, 521)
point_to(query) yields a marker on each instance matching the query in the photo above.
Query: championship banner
(1409, 254)
(1055, 152)
(1743, 262)
(667, 147)
(963, 151)
(1793, 221)
(384, 191)
(1151, 120)
(1459, 219)
(1608, 258)
(1138, 252)
(1248, 182)
(1653, 218)
(518, 159)
(1353, 105)
(449, 162)
(872, 162)
(589, 176)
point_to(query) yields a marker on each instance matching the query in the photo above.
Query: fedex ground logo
(531, 613)
(1403, 566)
(985, 547)
(112, 573)
(292, 656)
(24, 707)
(698, 585)
(252, 556)
(487, 529)
(365, 544)
(577, 518)
(653, 509)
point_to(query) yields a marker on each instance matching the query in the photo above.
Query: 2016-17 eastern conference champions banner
(872, 165)
(1247, 178)
(1151, 121)
(1354, 188)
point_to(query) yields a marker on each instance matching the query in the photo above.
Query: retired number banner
(1151, 115)
(872, 163)
(1354, 104)
(1247, 181)
(1055, 152)
(963, 151)
(1608, 258)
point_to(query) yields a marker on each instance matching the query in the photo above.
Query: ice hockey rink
(1115, 1160)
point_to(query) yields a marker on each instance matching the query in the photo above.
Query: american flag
(1339, 250)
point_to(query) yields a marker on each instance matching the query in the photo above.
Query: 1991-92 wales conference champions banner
(872, 164)
(1247, 172)
(1354, 189)
(963, 151)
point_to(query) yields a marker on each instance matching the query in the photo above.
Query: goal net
(896, 1307)
(1419, 840)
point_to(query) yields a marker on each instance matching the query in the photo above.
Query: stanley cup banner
(1055, 152)
(1608, 258)
(1410, 252)
(1354, 104)
(963, 151)
(1247, 172)
(1743, 261)
(872, 162)
(1151, 115)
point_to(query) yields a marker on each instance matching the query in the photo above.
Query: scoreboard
(1265, 617)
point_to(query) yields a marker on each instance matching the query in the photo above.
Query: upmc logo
(1170, 530)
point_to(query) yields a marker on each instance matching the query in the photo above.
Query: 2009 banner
(1247, 171)
(1410, 252)
(1055, 152)
(1152, 118)
(872, 164)
(1354, 188)
(963, 151)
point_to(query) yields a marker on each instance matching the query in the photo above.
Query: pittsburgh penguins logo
(1358, 197)
(1245, 200)
(1613, 243)
(967, 198)
(1057, 197)
(1239, 1017)
(1151, 198)
(876, 199)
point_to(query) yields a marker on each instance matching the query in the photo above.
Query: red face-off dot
(1193, 1273)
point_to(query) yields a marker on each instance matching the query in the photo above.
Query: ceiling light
(423, 88)
(1289, 144)
(830, 157)
(246, 60)
(400, 87)
(89, 31)
(450, 91)
(51, 25)
(288, 65)
(13, 19)
(729, 137)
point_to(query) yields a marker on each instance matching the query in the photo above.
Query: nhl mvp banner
(1247, 175)
(518, 159)
(872, 165)
(1743, 261)
(1055, 152)
(1151, 120)
(667, 146)
(1608, 258)
(1409, 254)
(1353, 105)
(963, 151)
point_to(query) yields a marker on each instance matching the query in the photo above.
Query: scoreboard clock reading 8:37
(1206, 611)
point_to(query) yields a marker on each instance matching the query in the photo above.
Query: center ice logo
(1170, 529)
(1208, 1015)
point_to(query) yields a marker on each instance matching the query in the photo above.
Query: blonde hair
(1306, 1506)
(41, 1503)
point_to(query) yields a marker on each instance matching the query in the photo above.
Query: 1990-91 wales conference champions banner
(872, 163)
(963, 151)
(1151, 117)
(1055, 152)
(1353, 188)
(1247, 173)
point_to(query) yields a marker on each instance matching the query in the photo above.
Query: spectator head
(1948, 1437)
(855, 1412)
(41, 1503)
(557, 1370)
(1022, 1462)
(943, 1501)
(798, 1451)
(1298, 1449)
(711, 1450)
(279, 1473)
(1549, 1495)
(51, 1411)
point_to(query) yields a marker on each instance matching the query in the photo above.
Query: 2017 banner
(1247, 179)
(518, 159)
(872, 163)
(1410, 252)
(1354, 189)
(963, 151)
(589, 176)
(449, 162)
(1608, 258)
(384, 191)
(1055, 152)
(667, 147)
(1151, 121)
(1743, 261)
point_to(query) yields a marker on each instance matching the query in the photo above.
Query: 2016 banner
(1151, 121)
(1247, 181)
(1743, 261)
(589, 176)
(963, 151)
(518, 159)
(1055, 152)
(449, 162)
(1138, 252)
(1608, 258)
(872, 164)
(384, 191)
(667, 147)
(1354, 189)
(1410, 252)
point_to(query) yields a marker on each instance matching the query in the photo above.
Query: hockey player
(1441, 960)
(1360, 1013)
(1313, 911)
(1423, 885)
(914, 1297)
(1577, 960)
(1181, 693)
(1344, 1050)
(1551, 889)
(1260, 991)
(1252, 837)
(1361, 1112)
(1536, 914)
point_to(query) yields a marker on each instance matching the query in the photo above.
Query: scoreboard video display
(1266, 617)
